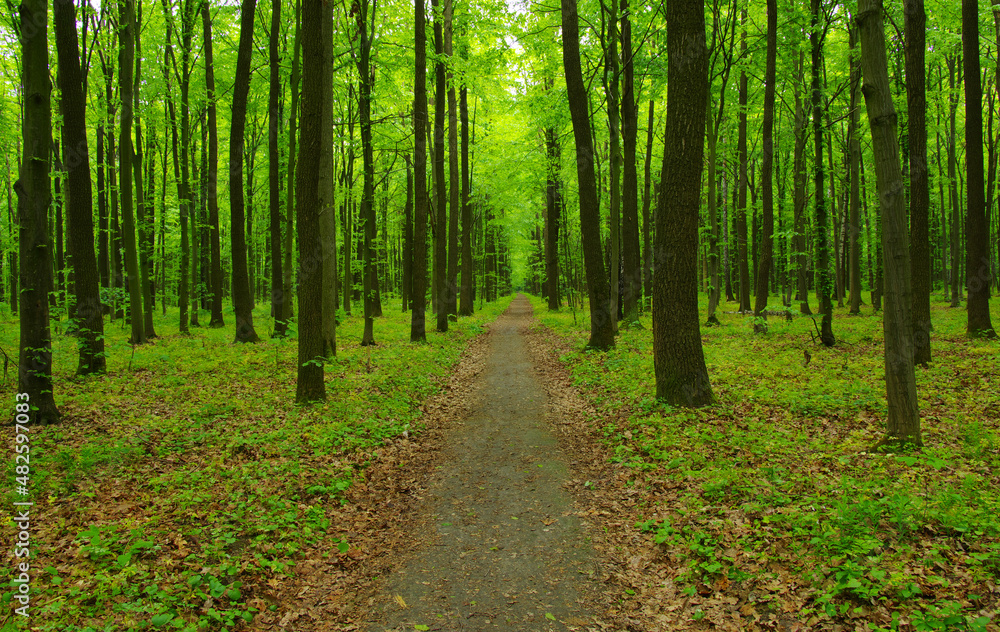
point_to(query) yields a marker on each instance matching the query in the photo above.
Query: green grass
(186, 474)
(773, 490)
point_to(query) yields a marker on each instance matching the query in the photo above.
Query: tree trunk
(293, 82)
(766, 169)
(916, 107)
(647, 249)
(741, 207)
(242, 300)
(955, 228)
(602, 336)
(451, 284)
(822, 225)
(213, 173)
(79, 197)
(553, 217)
(901, 389)
(125, 62)
(678, 359)
(854, 160)
(799, 181)
(615, 157)
(327, 207)
(468, 280)
(441, 217)
(365, 35)
(273, 175)
(143, 206)
(310, 387)
(406, 285)
(34, 371)
(419, 277)
(630, 179)
(977, 228)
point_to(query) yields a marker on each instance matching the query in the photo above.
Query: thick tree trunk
(678, 359)
(903, 424)
(34, 371)
(602, 335)
(310, 387)
(630, 179)
(242, 299)
(977, 228)
(822, 224)
(273, 175)
(916, 107)
(615, 157)
(79, 197)
(213, 173)
(766, 170)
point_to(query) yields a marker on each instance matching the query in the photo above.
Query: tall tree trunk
(630, 179)
(466, 304)
(767, 168)
(647, 249)
(365, 35)
(273, 174)
(103, 256)
(79, 197)
(406, 285)
(602, 335)
(553, 219)
(293, 83)
(920, 197)
(903, 424)
(213, 172)
(327, 206)
(678, 359)
(419, 282)
(799, 181)
(310, 387)
(822, 224)
(741, 207)
(34, 371)
(977, 230)
(440, 210)
(955, 228)
(451, 286)
(125, 63)
(615, 156)
(143, 206)
(854, 160)
(242, 300)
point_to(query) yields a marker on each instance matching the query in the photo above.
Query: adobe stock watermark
(21, 582)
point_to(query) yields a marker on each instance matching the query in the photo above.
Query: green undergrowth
(186, 479)
(772, 492)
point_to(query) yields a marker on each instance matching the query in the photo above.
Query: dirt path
(503, 547)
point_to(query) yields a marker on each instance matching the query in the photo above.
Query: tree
(419, 281)
(630, 179)
(440, 212)
(213, 173)
(125, 64)
(854, 162)
(465, 305)
(678, 359)
(79, 197)
(454, 209)
(741, 207)
(901, 388)
(310, 386)
(767, 169)
(553, 212)
(916, 112)
(327, 203)
(977, 246)
(242, 298)
(366, 33)
(602, 334)
(34, 371)
(273, 175)
(822, 223)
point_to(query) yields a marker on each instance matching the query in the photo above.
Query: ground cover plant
(184, 482)
(771, 505)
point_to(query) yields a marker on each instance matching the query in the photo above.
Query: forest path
(501, 547)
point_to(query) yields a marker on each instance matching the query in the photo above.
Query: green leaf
(161, 620)
(342, 546)
(420, 626)
(550, 616)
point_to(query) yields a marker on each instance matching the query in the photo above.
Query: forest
(500, 315)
